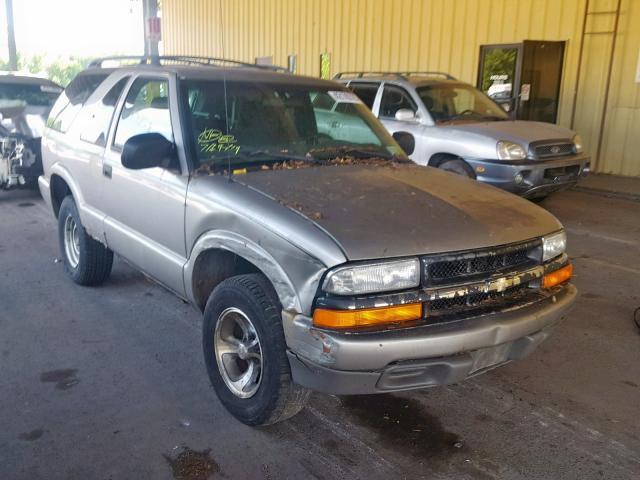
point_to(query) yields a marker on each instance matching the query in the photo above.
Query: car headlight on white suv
(554, 245)
(373, 277)
(510, 151)
(577, 143)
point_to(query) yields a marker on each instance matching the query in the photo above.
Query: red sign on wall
(153, 30)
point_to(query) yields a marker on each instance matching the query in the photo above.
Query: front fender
(293, 294)
(456, 142)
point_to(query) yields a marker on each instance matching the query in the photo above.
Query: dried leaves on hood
(295, 164)
(302, 209)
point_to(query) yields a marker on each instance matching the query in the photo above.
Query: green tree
(62, 72)
(4, 64)
(35, 64)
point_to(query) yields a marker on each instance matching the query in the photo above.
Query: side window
(346, 122)
(70, 102)
(146, 110)
(366, 92)
(393, 99)
(97, 126)
(323, 102)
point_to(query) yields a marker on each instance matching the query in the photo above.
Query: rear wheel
(457, 166)
(245, 352)
(86, 261)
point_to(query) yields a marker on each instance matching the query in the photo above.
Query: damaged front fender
(293, 293)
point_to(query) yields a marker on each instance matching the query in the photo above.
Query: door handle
(107, 170)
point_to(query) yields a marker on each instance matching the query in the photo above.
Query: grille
(468, 266)
(570, 171)
(477, 300)
(554, 150)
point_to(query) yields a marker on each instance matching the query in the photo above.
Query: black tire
(94, 260)
(457, 166)
(276, 397)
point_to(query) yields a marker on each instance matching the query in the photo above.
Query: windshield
(451, 102)
(263, 122)
(32, 95)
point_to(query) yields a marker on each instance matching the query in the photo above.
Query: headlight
(374, 277)
(510, 151)
(553, 245)
(577, 143)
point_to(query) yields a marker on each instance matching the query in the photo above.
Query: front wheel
(86, 261)
(457, 166)
(245, 352)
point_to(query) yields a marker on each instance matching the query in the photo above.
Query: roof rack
(400, 75)
(160, 60)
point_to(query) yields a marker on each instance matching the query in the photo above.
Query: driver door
(145, 209)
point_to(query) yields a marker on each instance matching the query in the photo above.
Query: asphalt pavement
(110, 383)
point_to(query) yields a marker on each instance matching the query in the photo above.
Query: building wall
(443, 35)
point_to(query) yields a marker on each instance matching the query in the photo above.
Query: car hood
(517, 131)
(375, 212)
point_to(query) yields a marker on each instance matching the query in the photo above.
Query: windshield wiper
(261, 155)
(248, 159)
(466, 114)
(493, 117)
(356, 152)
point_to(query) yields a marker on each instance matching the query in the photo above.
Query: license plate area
(559, 174)
(488, 358)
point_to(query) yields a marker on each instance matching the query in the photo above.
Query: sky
(62, 28)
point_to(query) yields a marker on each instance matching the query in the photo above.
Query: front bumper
(539, 177)
(425, 356)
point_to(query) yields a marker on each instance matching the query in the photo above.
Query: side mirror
(405, 115)
(406, 141)
(146, 150)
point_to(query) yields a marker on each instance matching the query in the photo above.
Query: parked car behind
(24, 106)
(460, 129)
(318, 262)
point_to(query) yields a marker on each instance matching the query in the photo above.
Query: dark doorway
(523, 78)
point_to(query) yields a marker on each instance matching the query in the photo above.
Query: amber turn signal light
(558, 276)
(366, 317)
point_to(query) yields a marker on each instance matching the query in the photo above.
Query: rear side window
(70, 102)
(33, 95)
(146, 110)
(97, 124)
(366, 91)
(394, 99)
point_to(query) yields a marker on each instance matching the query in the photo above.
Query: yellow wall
(442, 35)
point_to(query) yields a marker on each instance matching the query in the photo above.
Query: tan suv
(318, 262)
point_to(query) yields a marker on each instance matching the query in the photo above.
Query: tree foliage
(61, 70)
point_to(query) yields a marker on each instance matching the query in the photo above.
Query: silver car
(458, 128)
(318, 262)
